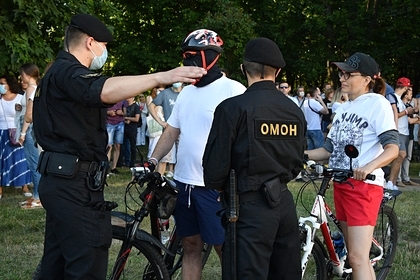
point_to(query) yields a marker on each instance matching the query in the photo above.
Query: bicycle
(158, 187)
(128, 235)
(321, 260)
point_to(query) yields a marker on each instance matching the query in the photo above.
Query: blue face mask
(177, 85)
(3, 89)
(99, 61)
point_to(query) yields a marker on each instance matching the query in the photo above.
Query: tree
(148, 34)
(33, 31)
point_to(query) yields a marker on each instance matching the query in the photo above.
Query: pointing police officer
(69, 124)
(261, 135)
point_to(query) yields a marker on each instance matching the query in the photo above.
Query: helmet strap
(204, 62)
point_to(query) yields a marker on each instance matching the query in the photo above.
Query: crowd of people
(59, 132)
(320, 110)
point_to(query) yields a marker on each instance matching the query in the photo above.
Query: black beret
(264, 51)
(92, 26)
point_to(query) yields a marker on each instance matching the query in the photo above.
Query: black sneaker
(115, 171)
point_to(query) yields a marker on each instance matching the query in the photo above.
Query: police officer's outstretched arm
(118, 88)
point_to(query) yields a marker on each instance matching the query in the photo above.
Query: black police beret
(264, 51)
(92, 26)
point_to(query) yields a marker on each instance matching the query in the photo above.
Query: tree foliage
(148, 34)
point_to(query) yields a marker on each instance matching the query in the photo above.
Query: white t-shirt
(193, 115)
(313, 119)
(20, 115)
(335, 106)
(8, 112)
(402, 121)
(359, 122)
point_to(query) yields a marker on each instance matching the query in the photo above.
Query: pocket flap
(62, 165)
(273, 189)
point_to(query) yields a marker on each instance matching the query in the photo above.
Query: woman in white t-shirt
(365, 121)
(14, 170)
(29, 74)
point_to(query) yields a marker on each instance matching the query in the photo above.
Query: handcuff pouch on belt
(67, 166)
(57, 164)
(272, 191)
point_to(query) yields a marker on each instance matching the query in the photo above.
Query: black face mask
(213, 73)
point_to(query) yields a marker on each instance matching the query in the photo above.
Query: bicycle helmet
(203, 46)
(202, 39)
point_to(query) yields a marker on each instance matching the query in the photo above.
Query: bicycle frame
(134, 232)
(318, 219)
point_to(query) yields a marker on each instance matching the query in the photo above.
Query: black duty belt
(88, 166)
(258, 194)
(64, 165)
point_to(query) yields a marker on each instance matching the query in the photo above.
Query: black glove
(150, 165)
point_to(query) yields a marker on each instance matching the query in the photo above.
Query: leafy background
(148, 34)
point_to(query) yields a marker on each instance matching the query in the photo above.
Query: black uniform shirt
(260, 134)
(68, 114)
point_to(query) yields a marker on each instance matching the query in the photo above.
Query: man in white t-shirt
(403, 84)
(312, 108)
(190, 121)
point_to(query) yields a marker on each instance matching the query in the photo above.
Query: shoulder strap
(395, 99)
(301, 104)
(312, 109)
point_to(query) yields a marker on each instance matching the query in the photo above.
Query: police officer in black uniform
(69, 123)
(261, 135)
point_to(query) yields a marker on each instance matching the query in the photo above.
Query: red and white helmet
(202, 39)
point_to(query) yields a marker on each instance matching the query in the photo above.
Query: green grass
(21, 238)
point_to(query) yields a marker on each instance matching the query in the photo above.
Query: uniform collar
(66, 55)
(263, 85)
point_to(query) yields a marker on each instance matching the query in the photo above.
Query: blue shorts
(195, 213)
(115, 133)
(404, 141)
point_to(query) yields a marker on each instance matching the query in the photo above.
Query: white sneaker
(390, 186)
(169, 174)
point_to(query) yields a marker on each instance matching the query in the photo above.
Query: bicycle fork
(318, 220)
(306, 239)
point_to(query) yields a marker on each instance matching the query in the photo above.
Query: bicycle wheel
(316, 268)
(386, 233)
(174, 263)
(144, 260)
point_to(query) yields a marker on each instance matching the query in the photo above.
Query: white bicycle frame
(319, 220)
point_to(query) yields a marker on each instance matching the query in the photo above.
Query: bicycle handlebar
(143, 175)
(338, 175)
